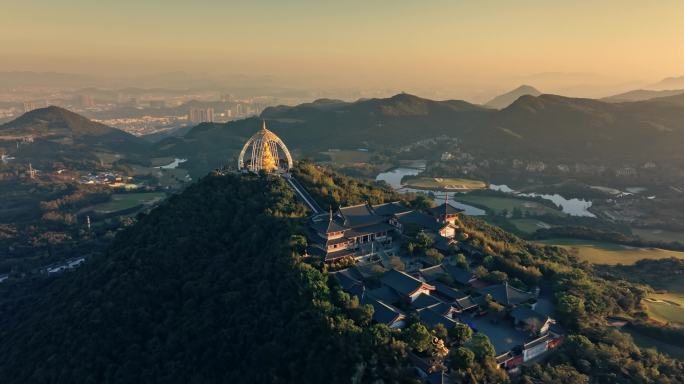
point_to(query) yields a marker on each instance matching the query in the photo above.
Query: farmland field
(348, 156)
(608, 253)
(659, 235)
(529, 225)
(498, 204)
(121, 201)
(665, 307)
(445, 183)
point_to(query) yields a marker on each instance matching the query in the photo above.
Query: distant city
(142, 112)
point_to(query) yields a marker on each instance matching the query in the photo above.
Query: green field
(348, 156)
(644, 341)
(121, 201)
(529, 225)
(665, 307)
(443, 183)
(498, 204)
(659, 235)
(609, 253)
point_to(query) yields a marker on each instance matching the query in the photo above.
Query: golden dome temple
(266, 153)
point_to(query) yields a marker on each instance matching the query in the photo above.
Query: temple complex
(362, 231)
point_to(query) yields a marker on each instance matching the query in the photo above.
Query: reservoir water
(411, 168)
(573, 207)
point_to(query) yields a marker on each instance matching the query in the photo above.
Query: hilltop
(191, 293)
(506, 99)
(54, 134)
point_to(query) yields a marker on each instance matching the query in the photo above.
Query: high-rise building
(87, 101)
(29, 106)
(201, 115)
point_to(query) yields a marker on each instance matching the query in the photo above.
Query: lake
(174, 164)
(573, 207)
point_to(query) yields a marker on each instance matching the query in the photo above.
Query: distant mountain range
(545, 127)
(55, 134)
(503, 101)
(641, 94)
(669, 83)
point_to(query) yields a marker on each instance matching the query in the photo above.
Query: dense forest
(203, 289)
(210, 287)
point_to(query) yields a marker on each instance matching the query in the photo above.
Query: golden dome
(265, 153)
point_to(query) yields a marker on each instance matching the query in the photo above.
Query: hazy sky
(392, 43)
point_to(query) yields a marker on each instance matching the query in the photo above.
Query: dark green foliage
(461, 358)
(332, 189)
(417, 337)
(481, 347)
(203, 289)
(460, 334)
(607, 356)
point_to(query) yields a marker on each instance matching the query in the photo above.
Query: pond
(174, 164)
(573, 207)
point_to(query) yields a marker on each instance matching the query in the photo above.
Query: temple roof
(440, 209)
(401, 282)
(359, 215)
(506, 294)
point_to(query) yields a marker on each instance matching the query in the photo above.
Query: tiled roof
(465, 303)
(442, 308)
(347, 280)
(385, 294)
(382, 313)
(459, 275)
(528, 315)
(401, 282)
(439, 210)
(424, 301)
(419, 219)
(432, 318)
(359, 215)
(506, 294)
(389, 209)
(368, 229)
(447, 291)
(432, 273)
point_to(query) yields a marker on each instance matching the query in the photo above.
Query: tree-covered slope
(206, 288)
(57, 135)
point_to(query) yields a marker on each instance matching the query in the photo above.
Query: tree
(461, 358)
(434, 255)
(482, 347)
(440, 331)
(461, 261)
(418, 337)
(424, 241)
(421, 202)
(460, 333)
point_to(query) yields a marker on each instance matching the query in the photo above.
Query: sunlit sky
(384, 43)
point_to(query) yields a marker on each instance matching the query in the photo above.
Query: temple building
(265, 151)
(361, 231)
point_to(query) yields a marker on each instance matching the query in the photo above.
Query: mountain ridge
(506, 99)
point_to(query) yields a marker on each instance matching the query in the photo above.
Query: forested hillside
(206, 288)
